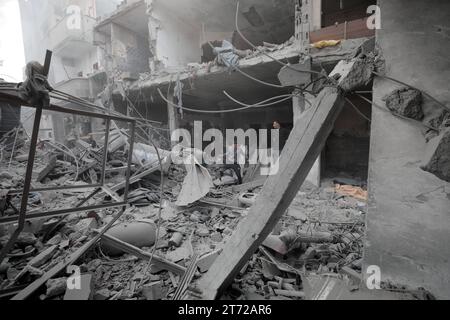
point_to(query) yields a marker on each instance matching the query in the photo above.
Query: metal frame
(11, 94)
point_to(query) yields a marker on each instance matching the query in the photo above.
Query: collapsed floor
(314, 252)
(318, 239)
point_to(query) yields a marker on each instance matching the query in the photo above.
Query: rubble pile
(320, 233)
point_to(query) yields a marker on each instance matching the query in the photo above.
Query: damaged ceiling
(270, 21)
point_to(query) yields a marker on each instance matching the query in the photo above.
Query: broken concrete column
(437, 156)
(406, 102)
(352, 74)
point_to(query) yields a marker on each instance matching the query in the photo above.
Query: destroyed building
(360, 94)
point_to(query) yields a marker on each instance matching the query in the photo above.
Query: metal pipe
(55, 188)
(105, 152)
(27, 185)
(130, 161)
(63, 212)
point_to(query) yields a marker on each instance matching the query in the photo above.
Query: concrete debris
(353, 74)
(178, 255)
(290, 76)
(102, 295)
(137, 217)
(56, 287)
(437, 156)
(141, 233)
(206, 261)
(176, 240)
(406, 102)
(43, 257)
(153, 291)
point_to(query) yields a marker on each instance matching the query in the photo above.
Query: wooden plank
(301, 151)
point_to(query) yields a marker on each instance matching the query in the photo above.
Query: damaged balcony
(124, 37)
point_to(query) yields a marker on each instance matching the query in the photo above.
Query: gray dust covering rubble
(229, 150)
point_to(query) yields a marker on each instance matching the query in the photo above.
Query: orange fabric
(355, 192)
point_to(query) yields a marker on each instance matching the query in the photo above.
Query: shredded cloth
(226, 55)
(35, 89)
(355, 192)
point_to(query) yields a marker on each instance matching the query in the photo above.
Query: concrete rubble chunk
(178, 254)
(56, 287)
(85, 225)
(353, 74)
(437, 156)
(102, 295)
(43, 257)
(406, 102)
(176, 240)
(153, 291)
(206, 261)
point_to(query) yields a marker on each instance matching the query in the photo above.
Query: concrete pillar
(172, 114)
(408, 211)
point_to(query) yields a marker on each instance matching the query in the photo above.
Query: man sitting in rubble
(233, 159)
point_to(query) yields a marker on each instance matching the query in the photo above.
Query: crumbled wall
(408, 222)
(174, 43)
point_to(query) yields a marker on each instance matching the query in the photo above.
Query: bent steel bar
(29, 171)
(27, 186)
(10, 94)
(50, 214)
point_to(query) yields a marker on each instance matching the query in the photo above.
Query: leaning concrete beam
(301, 151)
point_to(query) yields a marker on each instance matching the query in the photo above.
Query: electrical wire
(273, 85)
(261, 104)
(268, 55)
(410, 86)
(357, 110)
(396, 114)
(173, 105)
